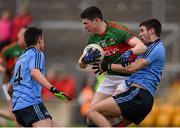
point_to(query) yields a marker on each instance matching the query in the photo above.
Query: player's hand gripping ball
(93, 53)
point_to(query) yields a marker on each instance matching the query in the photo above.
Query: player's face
(21, 41)
(41, 41)
(90, 26)
(144, 34)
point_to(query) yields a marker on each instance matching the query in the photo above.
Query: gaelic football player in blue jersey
(26, 83)
(135, 104)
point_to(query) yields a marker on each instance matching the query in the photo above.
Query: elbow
(142, 48)
(10, 90)
(32, 73)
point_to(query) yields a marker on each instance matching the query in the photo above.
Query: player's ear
(39, 39)
(151, 31)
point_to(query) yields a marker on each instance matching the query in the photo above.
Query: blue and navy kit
(149, 76)
(27, 91)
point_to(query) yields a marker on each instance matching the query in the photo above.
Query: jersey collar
(103, 33)
(31, 48)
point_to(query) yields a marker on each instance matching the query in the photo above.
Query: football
(95, 46)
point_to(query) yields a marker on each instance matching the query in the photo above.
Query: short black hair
(152, 23)
(91, 13)
(31, 36)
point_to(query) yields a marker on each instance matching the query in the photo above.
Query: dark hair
(152, 23)
(31, 36)
(91, 13)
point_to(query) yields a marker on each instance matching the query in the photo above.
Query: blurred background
(64, 42)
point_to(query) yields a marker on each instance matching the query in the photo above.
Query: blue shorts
(29, 115)
(135, 104)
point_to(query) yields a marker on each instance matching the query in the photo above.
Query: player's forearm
(39, 77)
(138, 47)
(134, 67)
(121, 69)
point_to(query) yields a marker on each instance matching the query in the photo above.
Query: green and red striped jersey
(114, 42)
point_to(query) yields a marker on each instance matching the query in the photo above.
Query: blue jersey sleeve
(154, 53)
(37, 61)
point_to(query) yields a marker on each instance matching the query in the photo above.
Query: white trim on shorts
(111, 83)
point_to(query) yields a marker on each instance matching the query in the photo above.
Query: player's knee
(90, 112)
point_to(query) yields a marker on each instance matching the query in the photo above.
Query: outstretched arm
(39, 77)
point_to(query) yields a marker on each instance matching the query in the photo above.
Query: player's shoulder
(158, 45)
(33, 52)
(8, 47)
(117, 26)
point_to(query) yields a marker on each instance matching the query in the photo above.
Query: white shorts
(111, 83)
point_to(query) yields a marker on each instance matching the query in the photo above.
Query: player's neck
(102, 28)
(154, 38)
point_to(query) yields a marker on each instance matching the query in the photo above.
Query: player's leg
(97, 98)
(122, 122)
(7, 114)
(43, 118)
(121, 87)
(34, 115)
(133, 105)
(105, 90)
(105, 108)
(43, 123)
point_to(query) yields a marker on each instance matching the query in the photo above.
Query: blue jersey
(149, 76)
(27, 91)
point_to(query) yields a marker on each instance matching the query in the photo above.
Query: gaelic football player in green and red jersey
(119, 45)
(10, 54)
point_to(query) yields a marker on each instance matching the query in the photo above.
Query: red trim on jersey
(111, 50)
(114, 25)
(120, 48)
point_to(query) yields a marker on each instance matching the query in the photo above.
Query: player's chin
(89, 31)
(143, 40)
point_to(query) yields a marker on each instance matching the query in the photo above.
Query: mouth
(88, 30)
(141, 39)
